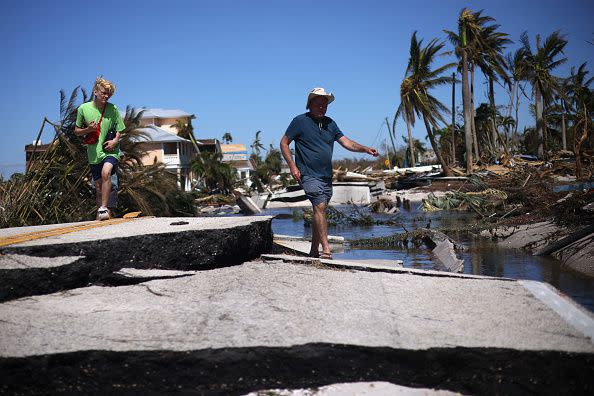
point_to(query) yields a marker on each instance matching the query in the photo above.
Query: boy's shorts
(317, 190)
(96, 168)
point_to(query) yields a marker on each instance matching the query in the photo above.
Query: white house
(236, 155)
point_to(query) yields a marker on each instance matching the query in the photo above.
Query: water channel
(481, 256)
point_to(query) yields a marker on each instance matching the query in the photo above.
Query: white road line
(568, 309)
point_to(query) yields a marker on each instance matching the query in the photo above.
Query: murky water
(481, 257)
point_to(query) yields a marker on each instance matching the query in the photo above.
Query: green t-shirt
(112, 120)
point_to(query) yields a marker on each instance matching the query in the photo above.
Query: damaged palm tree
(415, 95)
(355, 216)
(480, 201)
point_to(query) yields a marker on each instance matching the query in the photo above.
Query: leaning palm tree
(516, 70)
(492, 64)
(539, 65)
(186, 131)
(414, 91)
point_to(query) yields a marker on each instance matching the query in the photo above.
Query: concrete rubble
(443, 248)
(545, 237)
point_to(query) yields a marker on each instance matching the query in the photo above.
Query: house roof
(233, 148)
(37, 147)
(163, 113)
(207, 141)
(149, 112)
(241, 164)
(156, 134)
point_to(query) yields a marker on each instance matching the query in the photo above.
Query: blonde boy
(100, 123)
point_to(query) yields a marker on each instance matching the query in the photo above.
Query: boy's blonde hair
(106, 85)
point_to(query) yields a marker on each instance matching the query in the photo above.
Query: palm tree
(581, 99)
(469, 44)
(227, 138)
(186, 131)
(516, 68)
(539, 65)
(256, 146)
(406, 109)
(563, 107)
(414, 91)
(149, 188)
(492, 64)
(216, 175)
(273, 160)
(183, 129)
(418, 145)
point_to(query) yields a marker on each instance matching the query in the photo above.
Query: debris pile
(479, 201)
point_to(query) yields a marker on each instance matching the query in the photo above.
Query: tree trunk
(577, 142)
(512, 90)
(411, 150)
(510, 129)
(474, 136)
(545, 135)
(493, 124)
(563, 130)
(446, 170)
(517, 119)
(539, 122)
(453, 119)
(467, 114)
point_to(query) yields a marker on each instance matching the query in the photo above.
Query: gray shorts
(317, 190)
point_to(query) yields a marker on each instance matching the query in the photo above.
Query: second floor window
(169, 148)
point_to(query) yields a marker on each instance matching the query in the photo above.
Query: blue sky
(243, 66)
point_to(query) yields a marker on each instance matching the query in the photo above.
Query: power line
(377, 135)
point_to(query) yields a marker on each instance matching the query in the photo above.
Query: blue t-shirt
(314, 143)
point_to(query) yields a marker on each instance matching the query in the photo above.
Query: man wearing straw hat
(314, 135)
(100, 123)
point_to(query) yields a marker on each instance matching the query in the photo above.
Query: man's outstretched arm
(286, 151)
(351, 145)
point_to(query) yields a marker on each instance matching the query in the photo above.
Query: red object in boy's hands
(91, 137)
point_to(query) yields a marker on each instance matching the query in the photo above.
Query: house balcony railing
(176, 160)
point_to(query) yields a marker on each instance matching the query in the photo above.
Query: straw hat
(319, 92)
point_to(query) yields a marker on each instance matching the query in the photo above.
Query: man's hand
(91, 127)
(295, 173)
(371, 151)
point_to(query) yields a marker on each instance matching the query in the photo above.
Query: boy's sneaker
(103, 213)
